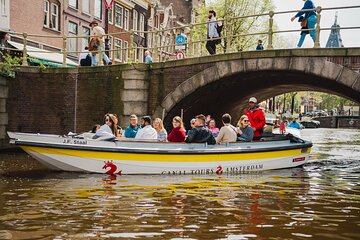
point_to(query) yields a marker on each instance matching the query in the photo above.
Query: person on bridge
(200, 133)
(96, 33)
(310, 17)
(212, 32)
(256, 117)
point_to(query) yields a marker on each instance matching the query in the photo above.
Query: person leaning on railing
(94, 43)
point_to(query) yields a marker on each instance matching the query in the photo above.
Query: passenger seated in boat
(192, 125)
(133, 128)
(245, 132)
(212, 127)
(146, 131)
(177, 134)
(268, 130)
(200, 134)
(294, 124)
(228, 132)
(159, 127)
(95, 128)
(112, 121)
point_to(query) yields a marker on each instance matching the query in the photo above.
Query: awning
(48, 58)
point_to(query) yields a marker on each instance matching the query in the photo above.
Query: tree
(230, 9)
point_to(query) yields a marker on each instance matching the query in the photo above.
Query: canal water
(319, 201)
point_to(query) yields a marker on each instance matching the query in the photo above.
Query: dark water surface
(319, 201)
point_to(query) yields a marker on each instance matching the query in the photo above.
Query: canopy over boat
(81, 153)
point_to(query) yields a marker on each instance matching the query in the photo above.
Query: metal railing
(194, 46)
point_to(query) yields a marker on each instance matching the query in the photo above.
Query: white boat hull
(68, 154)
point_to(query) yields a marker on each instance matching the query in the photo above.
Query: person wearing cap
(133, 128)
(146, 131)
(256, 117)
(212, 32)
(200, 133)
(96, 32)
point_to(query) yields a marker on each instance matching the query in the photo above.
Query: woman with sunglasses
(112, 121)
(244, 129)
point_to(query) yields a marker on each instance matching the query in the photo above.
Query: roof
(37, 53)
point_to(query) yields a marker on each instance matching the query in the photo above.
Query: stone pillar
(3, 112)
(134, 94)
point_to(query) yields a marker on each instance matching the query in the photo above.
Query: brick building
(124, 16)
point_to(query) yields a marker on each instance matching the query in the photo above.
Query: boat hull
(150, 158)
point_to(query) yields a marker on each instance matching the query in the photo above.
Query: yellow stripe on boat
(154, 157)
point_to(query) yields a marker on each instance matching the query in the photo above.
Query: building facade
(4, 15)
(124, 18)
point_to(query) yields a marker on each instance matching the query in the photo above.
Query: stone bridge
(59, 100)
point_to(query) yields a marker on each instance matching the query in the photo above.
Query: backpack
(86, 61)
(219, 30)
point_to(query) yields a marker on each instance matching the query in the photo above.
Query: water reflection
(317, 201)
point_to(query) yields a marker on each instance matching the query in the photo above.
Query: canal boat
(82, 153)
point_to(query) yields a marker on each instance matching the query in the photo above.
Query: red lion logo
(112, 166)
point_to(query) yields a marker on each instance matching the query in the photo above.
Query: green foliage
(330, 101)
(229, 10)
(9, 65)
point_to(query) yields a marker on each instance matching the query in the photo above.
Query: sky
(346, 18)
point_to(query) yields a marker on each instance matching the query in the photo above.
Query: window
(98, 9)
(117, 49)
(73, 30)
(135, 52)
(126, 19)
(85, 39)
(73, 4)
(3, 7)
(142, 24)
(126, 51)
(85, 6)
(118, 15)
(110, 44)
(135, 20)
(110, 15)
(54, 16)
(46, 14)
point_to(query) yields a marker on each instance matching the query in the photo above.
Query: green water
(318, 201)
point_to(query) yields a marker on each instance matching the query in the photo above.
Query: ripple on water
(320, 200)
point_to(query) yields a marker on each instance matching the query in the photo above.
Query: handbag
(304, 23)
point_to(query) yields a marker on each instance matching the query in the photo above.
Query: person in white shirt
(146, 131)
(97, 31)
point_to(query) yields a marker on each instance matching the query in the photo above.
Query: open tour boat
(81, 153)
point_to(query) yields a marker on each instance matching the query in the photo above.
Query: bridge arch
(228, 84)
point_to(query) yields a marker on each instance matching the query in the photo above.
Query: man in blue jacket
(132, 129)
(311, 21)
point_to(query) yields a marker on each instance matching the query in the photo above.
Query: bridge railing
(163, 46)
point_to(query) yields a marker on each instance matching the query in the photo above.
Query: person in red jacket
(178, 133)
(256, 117)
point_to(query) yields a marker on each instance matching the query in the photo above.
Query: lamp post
(108, 4)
